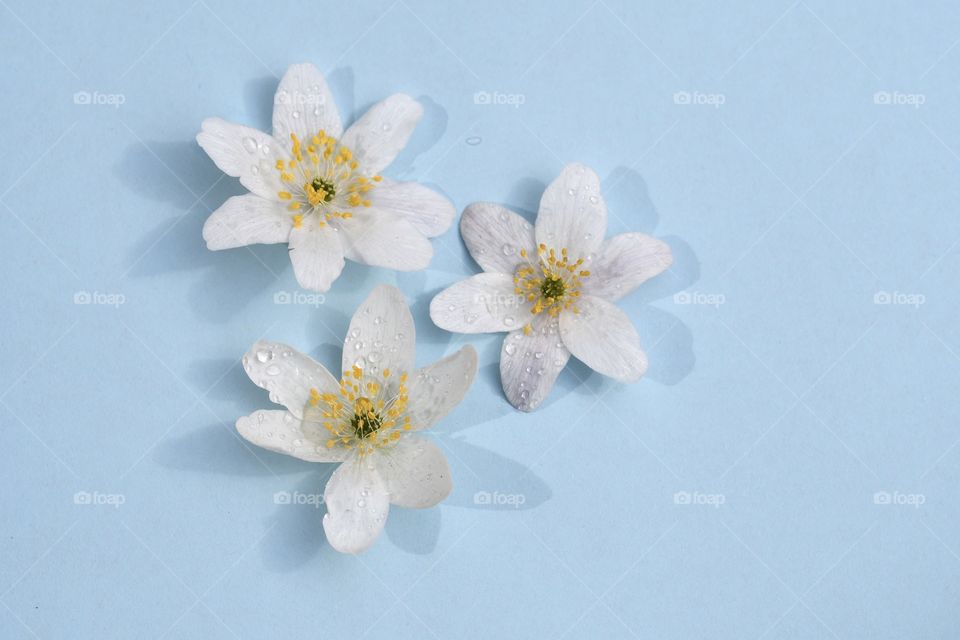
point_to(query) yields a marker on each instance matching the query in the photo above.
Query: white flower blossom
(319, 189)
(551, 286)
(368, 421)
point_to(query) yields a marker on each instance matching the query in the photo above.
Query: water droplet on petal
(594, 199)
(571, 192)
(295, 114)
(508, 249)
(385, 126)
(373, 357)
(273, 370)
(510, 349)
(254, 169)
(378, 320)
(508, 321)
(360, 362)
(504, 216)
(538, 354)
(250, 144)
(361, 503)
(264, 354)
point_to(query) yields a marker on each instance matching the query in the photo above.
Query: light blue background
(779, 389)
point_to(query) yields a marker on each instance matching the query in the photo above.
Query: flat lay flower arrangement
(551, 286)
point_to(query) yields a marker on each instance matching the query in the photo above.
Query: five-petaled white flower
(367, 420)
(550, 285)
(318, 188)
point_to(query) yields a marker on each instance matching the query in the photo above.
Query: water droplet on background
(474, 140)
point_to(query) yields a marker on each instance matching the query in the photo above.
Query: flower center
(322, 178)
(365, 421)
(367, 412)
(551, 284)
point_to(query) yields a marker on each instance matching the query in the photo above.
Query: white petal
(530, 364)
(572, 212)
(246, 220)
(437, 388)
(382, 328)
(243, 153)
(287, 374)
(416, 473)
(380, 238)
(382, 132)
(428, 211)
(603, 337)
(357, 505)
(480, 304)
(282, 432)
(624, 262)
(316, 254)
(494, 236)
(304, 105)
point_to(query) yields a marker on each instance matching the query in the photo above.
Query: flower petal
(494, 236)
(382, 132)
(624, 262)
(603, 337)
(380, 238)
(480, 304)
(357, 506)
(316, 254)
(437, 388)
(572, 212)
(246, 220)
(243, 153)
(428, 211)
(304, 105)
(282, 432)
(530, 364)
(381, 332)
(416, 473)
(287, 374)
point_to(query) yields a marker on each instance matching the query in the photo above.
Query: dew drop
(399, 335)
(474, 140)
(538, 355)
(250, 145)
(385, 126)
(571, 192)
(254, 169)
(264, 354)
(594, 199)
(360, 362)
(361, 503)
(508, 321)
(378, 320)
(316, 111)
(508, 249)
(273, 370)
(295, 114)
(503, 216)
(355, 333)
(373, 357)
(358, 345)
(510, 349)
(470, 318)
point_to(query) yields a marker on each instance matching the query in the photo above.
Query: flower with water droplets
(318, 188)
(551, 286)
(368, 421)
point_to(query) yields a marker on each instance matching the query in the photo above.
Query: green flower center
(365, 421)
(552, 288)
(326, 187)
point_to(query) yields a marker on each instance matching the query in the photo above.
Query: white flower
(368, 421)
(318, 188)
(551, 286)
